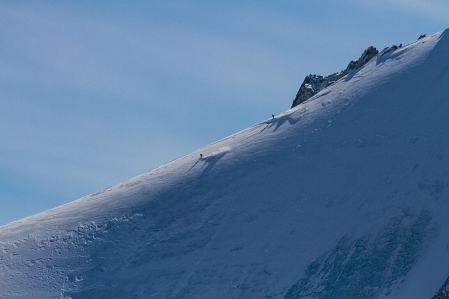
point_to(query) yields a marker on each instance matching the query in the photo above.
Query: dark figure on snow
(272, 115)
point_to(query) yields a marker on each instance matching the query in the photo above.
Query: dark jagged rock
(443, 293)
(366, 56)
(389, 49)
(313, 84)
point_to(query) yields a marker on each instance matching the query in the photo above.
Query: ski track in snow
(343, 196)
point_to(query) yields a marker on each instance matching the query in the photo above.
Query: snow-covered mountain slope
(313, 84)
(343, 196)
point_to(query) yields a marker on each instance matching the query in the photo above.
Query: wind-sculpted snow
(344, 196)
(369, 265)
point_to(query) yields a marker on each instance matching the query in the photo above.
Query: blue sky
(94, 93)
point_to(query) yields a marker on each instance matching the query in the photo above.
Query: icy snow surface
(343, 196)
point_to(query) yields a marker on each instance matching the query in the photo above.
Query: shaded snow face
(370, 265)
(344, 196)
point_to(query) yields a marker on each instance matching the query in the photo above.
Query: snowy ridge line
(344, 196)
(313, 84)
(201, 149)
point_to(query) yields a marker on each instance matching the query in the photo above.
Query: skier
(272, 115)
(201, 156)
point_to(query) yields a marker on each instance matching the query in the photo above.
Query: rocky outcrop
(315, 83)
(388, 50)
(366, 56)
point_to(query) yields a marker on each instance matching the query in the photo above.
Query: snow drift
(343, 196)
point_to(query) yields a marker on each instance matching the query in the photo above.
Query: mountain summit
(343, 196)
(313, 84)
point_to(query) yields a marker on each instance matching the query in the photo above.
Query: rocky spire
(313, 84)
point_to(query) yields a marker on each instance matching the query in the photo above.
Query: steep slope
(343, 196)
(313, 84)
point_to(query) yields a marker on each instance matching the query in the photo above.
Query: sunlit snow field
(343, 196)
